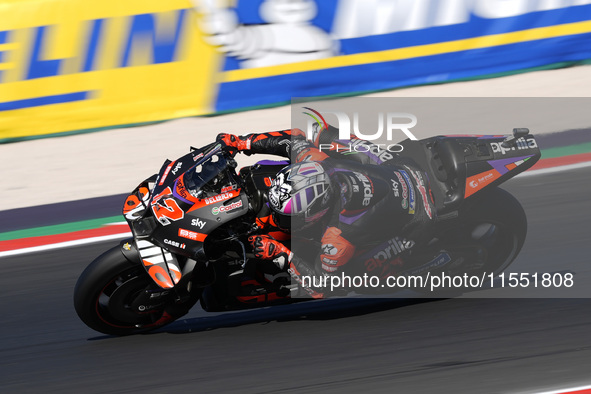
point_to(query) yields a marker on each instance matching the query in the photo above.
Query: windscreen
(206, 174)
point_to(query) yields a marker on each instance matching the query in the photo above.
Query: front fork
(194, 275)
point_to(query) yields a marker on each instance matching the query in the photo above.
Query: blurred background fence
(71, 65)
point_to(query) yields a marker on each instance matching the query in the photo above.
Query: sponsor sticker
(218, 198)
(412, 205)
(228, 188)
(198, 223)
(481, 180)
(192, 235)
(199, 156)
(166, 171)
(174, 243)
(388, 250)
(395, 187)
(329, 249)
(386, 257)
(182, 191)
(404, 186)
(176, 168)
(423, 191)
(520, 144)
(438, 261)
(226, 208)
(367, 188)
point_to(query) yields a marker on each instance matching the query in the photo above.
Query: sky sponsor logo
(177, 167)
(198, 223)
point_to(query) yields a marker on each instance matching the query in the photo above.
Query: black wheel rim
(113, 303)
(490, 247)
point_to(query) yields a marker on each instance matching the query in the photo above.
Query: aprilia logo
(367, 188)
(394, 247)
(520, 144)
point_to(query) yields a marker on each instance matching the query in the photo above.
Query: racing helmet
(300, 195)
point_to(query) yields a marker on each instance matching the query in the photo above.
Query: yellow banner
(76, 64)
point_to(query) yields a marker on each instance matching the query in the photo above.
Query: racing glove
(267, 248)
(240, 143)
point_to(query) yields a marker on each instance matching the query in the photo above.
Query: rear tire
(107, 287)
(492, 225)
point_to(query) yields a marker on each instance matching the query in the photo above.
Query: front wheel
(117, 297)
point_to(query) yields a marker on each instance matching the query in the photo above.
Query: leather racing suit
(379, 197)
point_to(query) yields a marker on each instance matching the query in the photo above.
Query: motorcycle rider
(344, 200)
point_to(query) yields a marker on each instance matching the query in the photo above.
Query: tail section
(462, 166)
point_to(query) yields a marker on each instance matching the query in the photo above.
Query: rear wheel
(489, 234)
(117, 297)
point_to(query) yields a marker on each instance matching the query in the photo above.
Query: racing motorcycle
(190, 224)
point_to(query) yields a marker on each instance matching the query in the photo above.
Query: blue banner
(274, 50)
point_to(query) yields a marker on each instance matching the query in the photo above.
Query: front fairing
(169, 218)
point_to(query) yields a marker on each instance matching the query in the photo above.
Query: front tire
(106, 290)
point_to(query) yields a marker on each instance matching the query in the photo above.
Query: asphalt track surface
(408, 346)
